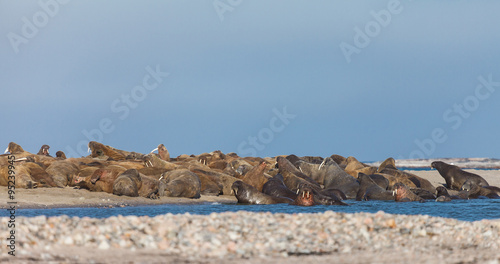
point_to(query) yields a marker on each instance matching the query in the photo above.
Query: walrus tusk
(301, 169)
(161, 177)
(297, 191)
(6, 150)
(153, 150)
(88, 149)
(21, 159)
(151, 163)
(321, 165)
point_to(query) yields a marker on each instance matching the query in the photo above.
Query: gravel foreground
(244, 237)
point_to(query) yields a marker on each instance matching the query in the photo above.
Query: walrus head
(14, 148)
(162, 152)
(44, 150)
(469, 186)
(60, 154)
(400, 191)
(305, 196)
(441, 191)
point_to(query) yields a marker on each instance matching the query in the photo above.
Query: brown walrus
(162, 152)
(181, 183)
(128, 183)
(337, 178)
(404, 194)
(475, 191)
(44, 150)
(276, 187)
(456, 177)
(100, 150)
(22, 179)
(308, 196)
(256, 177)
(60, 155)
(106, 177)
(370, 190)
(62, 172)
(292, 177)
(247, 194)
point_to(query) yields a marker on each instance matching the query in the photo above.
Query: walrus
(44, 150)
(106, 177)
(443, 192)
(151, 160)
(287, 169)
(209, 158)
(14, 148)
(476, 191)
(150, 187)
(395, 179)
(340, 160)
(22, 178)
(456, 177)
(305, 197)
(370, 190)
(353, 166)
(424, 194)
(162, 152)
(247, 194)
(404, 194)
(208, 186)
(128, 183)
(62, 172)
(60, 155)
(403, 176)
(181, 183)
(82, 180)
(337, 178)
(276, 187)
(388, 163)
(256, 177)
(380, 180)
(38, 174)
(308, 196)
(316, 171)
(99, 150)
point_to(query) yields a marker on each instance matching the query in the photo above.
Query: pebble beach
(254, 237)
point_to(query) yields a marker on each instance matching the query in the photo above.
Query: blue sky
(263, 78)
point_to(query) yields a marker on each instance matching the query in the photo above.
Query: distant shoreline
(464, 163)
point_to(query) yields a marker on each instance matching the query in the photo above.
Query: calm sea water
(467, 210)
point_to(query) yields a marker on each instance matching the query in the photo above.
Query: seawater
(466, 210)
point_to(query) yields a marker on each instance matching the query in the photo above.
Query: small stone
(104, 245)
